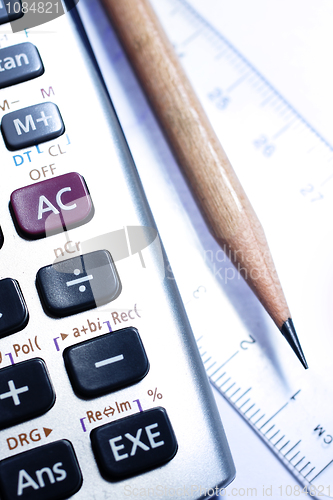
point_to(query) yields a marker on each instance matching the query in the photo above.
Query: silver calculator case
(93, 145)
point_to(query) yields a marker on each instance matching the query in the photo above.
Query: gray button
(19, 63)
(10, 10)
(33, 125)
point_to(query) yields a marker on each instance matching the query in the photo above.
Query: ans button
(50, 471)
(134, 444)
(32, 125)
(51, 206)
(106, 363)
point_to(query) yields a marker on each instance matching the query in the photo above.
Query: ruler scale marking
(294, 456)
(313, 468)
(271, 418)
(248, 409)
(284, 445)
(277, 432)
(269, 429)
(240, 397)
(291, 449)
(305, 466)
(279, 440)
(245, 404)
(322, 470)
(255, 423)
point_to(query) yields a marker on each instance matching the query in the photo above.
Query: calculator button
(48, 472)
(51, 206)
(32, 125)
(10, 10)
(134, 444)
(25, 392)
(78, 284)
(106, 363)
(13, 310)
(19, 63)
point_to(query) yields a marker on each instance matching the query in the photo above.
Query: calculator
(102, 389)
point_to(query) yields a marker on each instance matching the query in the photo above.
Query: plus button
(13, 392)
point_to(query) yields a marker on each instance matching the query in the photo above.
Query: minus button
(108, 361)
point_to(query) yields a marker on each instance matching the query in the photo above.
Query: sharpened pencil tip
(289, 333)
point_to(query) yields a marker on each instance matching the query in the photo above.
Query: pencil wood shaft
(214, 183)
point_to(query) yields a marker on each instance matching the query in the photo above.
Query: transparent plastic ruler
(286, 168)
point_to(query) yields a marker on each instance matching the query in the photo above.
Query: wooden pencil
(219, 194)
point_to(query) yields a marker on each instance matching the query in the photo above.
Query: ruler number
(220, 100)
(262, 143)
(245, 343)
(199, 292)
(311, 193)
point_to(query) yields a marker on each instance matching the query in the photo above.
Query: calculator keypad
(98, 366)
(19, 63)
(25, 392)
(32, 125)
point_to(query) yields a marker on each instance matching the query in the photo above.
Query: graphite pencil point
(289, 333)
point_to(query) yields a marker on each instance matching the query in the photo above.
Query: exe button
(134, 444)
(49, 472)
(32, 125)
(106, 363)
(19, 63)
(51, 206)
(78, 284)
(25, 392)
(13, 310)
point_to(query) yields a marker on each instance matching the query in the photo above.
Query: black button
(13, 310)
(10, 10)
(106, 363)
(19, 63)
(32, 125)
(78, 284)
(134, 444)
(25, 392)
(49, 472)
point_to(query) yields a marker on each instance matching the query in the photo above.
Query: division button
(19, 63)
(51, 206)
(106, 363)
(10, 10)
(78, 284)
(13, 310)
(32, 125)
(134, 444)
(25, 392)
(48, 472)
